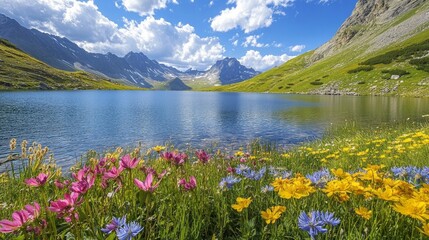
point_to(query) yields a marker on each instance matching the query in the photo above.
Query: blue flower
(315, 222)
(242, 169)
(412, 174)
(328, 218)
(275, 172)
(267, 188)
(311, 224)
(254, 175)
(128, 231)
(114, 225)
(228, 182)
(320, 178)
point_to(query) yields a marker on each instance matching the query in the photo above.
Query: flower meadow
(353, 184)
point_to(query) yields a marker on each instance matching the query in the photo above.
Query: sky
(189, 33)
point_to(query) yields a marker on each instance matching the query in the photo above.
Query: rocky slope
(135, 68)
(20, 71)
(380, 39)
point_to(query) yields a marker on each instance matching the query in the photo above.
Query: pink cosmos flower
(113, 173)
(187, 186)
(179, 158)
(147, 184)
(202, 156)
(128, 163)
(65, 208)
(167, 156)
(19, 218)
(38, 181)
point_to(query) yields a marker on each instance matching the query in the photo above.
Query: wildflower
(147, 184)
(228, 182)
(188, 185)
(320, 178)
(158, 148)
(202, 156)
(239, 154)
(84, 181)
(363, 212)
(315, 222)
(413, 208)
(179, 158)
(114, 225)
(128, 231)
(311, 224)
(38, 181)
(128, 163)
(113, 173)
(267, 188)
(272, 214)
(20, 218)
(60, 184)
(65, 208)
(241, 204)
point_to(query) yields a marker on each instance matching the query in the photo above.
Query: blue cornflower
(320, 178)
(255, 175)
(328, 218)
(315, 222)
(311, 224)
(228, 182)
(115, 224)
(267, 188)
(242, 169)
(412, 174)
(275, 172)
(128, 231)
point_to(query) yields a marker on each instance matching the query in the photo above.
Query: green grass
(344, 70)
(19, 71)
(206, 212)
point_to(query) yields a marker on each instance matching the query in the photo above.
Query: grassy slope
(295, 77)
(19, 71)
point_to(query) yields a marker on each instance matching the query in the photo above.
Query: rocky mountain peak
(366, 17)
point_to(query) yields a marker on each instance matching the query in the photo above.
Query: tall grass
(349, 169)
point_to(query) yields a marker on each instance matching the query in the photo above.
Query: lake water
(73, 122)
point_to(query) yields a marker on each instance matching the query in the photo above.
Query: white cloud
(83, 23)
(252, 41)
(249, 15)
(235, 43)
(211, 3)
(258, 62)
(145, 7)
(297, 48)
(79, 21)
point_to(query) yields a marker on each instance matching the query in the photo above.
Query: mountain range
(381, 49)
(134, 68)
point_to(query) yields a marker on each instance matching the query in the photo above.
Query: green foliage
(316, 83)
(399, 72)
(361, 69)
(414, 50)
(421, 63)
(206, 212)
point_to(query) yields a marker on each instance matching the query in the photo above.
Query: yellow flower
(285, 155)
(413, 208)
(425, 229)
(388, 194)
(242, 203)
(239, 154)
(363, 212)
(158, 148)
(272, 214)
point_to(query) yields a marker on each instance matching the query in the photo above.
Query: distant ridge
(135, 68)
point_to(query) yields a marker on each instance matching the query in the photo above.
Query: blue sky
(189, 33)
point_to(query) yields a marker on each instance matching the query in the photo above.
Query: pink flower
(19, 218)
(179, 158)
(147, 184)
(202, 156)
(83, 185)
(127, 163)
(61, 185)
(187, 186)
(65, 208)
(38, 181)
(113, 173)
(167, 156)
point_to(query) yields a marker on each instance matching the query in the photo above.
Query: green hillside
(354, 70)
(19, 71)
